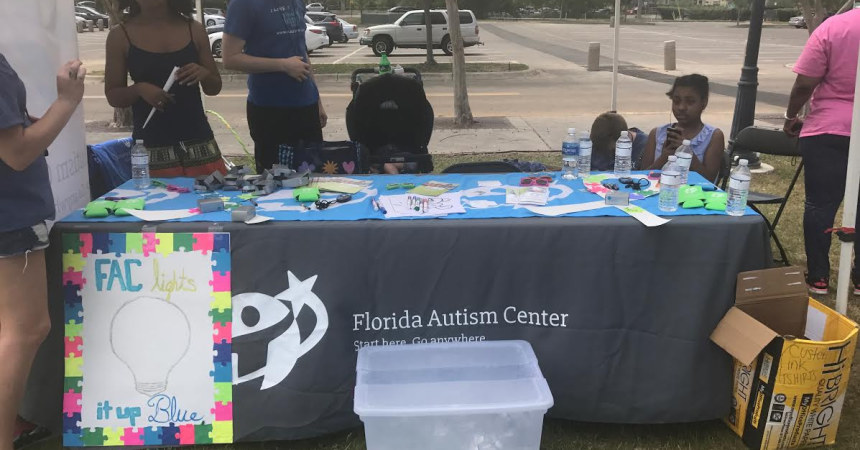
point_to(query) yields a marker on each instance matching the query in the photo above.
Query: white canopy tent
(849, 212)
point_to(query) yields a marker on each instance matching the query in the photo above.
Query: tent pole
(849, 211)
(616, 42)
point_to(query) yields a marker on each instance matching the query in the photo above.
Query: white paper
(490, 183)
(816, 321)
(166, 88)
(258, 219)
(441, 205)
(160, 215)
(147, 337)
(566, 209)
(527, 195)
(648, 219)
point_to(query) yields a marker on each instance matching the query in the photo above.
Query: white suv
(409, 32)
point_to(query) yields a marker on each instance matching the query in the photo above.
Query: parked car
(215, 29)
(330, 23)
(215, 12)
(80, 22)
(408, 32)
(88, 4)
(209, 20)
(90, 14)
(349, 30)
(316, 7)
(401, 9)
(797, 22)
(315, 37)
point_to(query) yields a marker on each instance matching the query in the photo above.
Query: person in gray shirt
(26, 203)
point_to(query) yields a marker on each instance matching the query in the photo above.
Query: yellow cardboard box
(793, 358)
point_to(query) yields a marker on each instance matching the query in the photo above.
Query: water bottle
(623, 155)
(569, 153)
(670, 182)
(140, 165)
(384, 64)
(685, 158)
(739, 189)
(583, 163)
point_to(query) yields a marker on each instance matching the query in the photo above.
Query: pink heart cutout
(348, 167)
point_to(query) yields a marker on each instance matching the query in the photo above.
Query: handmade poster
(597, 184)
(148, 337)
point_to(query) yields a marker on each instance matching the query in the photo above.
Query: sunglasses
(637, 184)
(544, 180)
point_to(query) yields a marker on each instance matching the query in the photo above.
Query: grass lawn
(560, 434)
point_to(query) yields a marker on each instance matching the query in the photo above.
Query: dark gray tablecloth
(637, 306)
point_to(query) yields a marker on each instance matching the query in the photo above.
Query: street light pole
(748, 84)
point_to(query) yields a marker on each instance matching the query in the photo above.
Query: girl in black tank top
(178, 136)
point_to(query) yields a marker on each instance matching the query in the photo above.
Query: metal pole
(748, 84)
(849, 212)
(201, 17)
(616, 42)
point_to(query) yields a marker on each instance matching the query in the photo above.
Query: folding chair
(482, 167)
(769, 141)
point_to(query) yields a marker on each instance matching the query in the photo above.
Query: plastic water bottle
(685, 158)
(384, 64)
(623, 155)
(739, 189)
(583, 162)
(569, 153)
(140, 165)
(670, 182)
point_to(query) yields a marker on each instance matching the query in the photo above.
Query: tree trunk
(814, 13)
(428, 22)
(462, 111)
(122, 117)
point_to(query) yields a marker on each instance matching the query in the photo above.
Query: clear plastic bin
(472, 396)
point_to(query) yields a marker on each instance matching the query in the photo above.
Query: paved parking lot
(531, 111)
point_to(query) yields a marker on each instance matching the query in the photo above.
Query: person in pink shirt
(826, 73)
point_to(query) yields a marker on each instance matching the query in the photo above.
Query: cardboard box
(793, 359)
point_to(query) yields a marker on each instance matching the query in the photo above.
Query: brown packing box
(792, 356)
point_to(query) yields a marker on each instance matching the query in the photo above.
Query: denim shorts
(19, 242)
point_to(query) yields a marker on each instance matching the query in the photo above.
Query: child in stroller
(390, 117)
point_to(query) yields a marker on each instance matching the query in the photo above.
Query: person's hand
(154, 95)
(70, 82)
(323, 116)
(792, 126)
(674, 138)
(297, 68)
(191, 73)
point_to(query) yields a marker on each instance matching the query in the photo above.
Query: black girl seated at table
(689, 95)
(154, 37)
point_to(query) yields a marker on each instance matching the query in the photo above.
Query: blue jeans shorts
(19, 242)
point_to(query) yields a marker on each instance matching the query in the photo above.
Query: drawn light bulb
(150, 336)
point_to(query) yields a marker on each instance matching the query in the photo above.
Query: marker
(382, 208)
(375, 205)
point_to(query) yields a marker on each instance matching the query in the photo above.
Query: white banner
(37, 37)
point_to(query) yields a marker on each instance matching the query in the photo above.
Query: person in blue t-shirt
(26, 203)
(266, 39)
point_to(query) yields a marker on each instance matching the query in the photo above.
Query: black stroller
(390, 118)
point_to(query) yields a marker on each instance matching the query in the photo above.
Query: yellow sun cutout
(330, 168)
